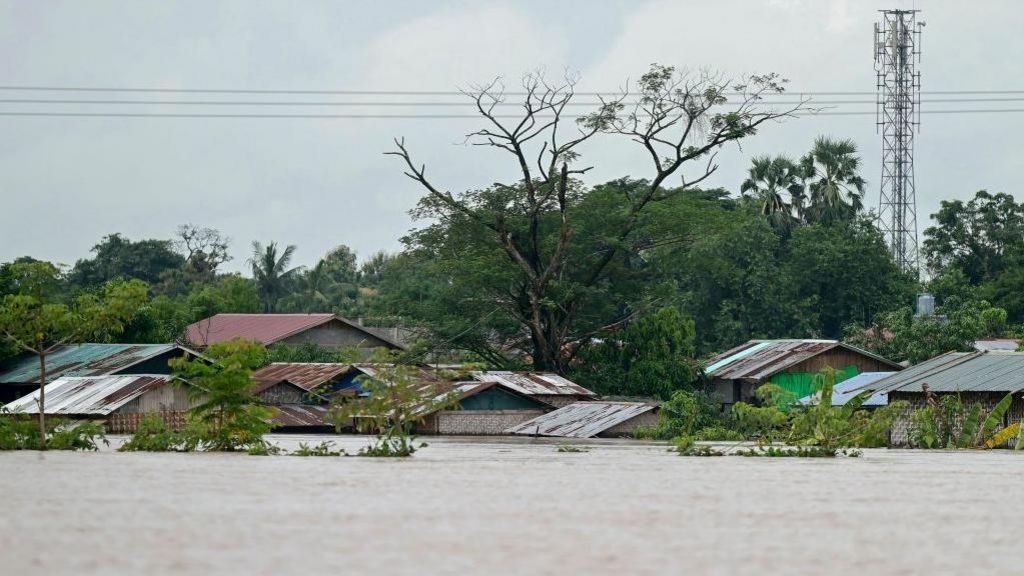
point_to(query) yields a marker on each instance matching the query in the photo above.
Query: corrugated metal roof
(581, 419)
(761, 359)
(264, 328)
(534, 383)
(528, 383)
(300, 415)
(961, 372)
(96, 395)
(847, 389)
(1007, 344)
(304, 375)
(82, 360)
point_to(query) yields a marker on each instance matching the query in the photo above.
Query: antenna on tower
(897, 52)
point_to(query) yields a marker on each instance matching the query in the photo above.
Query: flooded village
(492, 287)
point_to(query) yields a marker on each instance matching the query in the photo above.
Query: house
(589, 419)
(844, 391)
(327, 330)
(20, 376)
(790, 364)
(981, 376)
(547, 387)
(297, 382)
(119, 401)
(484, 408)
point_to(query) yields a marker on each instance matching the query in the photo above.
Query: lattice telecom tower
(897, 52)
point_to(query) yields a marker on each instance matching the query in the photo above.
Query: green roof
(80, 360)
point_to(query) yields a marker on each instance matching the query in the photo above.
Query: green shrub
(154, 435)
(322, 449)
(719, 433)
(21, 432)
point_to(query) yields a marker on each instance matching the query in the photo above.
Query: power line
(421, 116)
(48, 101)
(418, 92)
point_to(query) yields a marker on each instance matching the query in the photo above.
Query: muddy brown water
(510, 506)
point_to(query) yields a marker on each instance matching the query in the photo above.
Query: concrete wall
(647, 419)
(900, 433)
(336, 335)
(475, 422)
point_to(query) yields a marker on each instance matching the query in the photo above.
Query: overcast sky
(66, 182)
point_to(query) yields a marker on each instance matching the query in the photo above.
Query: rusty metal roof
(304, 375)
(582, 419)
(89, 395)
(996, 371)
(265, 328)
(761, 359)
(534, 383)
(300, 415)
(82, 360)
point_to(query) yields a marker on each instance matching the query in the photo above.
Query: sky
(65, 182)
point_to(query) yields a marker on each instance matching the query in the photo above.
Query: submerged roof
(844, 391)
(581, 419)
(761, 359)
(299, 415)
(95, 395)
(534, 383)
(305, 375)
(961, 372)
(265, 328)
(82, 360)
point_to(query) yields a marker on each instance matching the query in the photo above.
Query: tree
(975, 237)
(226, 416)
(674, 117)
(836, 188)
(205, 250)
(271, 272)
(776, 183)
(651, 357)
(117, 257)
(33, 323)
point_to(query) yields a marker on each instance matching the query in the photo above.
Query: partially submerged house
(327, 330)
(790, 364)
(846, 390)
(980, 376)
(298, 382)
(590, 419)
(119, 402)
(546, 387)
(483, 408)
(20, 375)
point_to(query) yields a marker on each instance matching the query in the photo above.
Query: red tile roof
(263, 328)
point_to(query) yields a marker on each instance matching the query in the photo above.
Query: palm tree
(837, 190)
(770, 179)
(271, 272)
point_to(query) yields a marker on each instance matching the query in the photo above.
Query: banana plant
(995, 417)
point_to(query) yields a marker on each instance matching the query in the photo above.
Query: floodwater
(510, 506)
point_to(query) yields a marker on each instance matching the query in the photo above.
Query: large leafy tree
(272, 272)
(35, 321)
(545, 273)
(975, 237)
(652, 357)
(835, 187)
(117, 257)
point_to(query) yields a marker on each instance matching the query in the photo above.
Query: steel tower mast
(897, 52)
